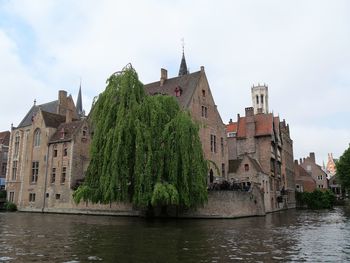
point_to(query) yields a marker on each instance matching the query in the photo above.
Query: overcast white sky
(301, 49)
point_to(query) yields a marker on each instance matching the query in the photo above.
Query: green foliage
(144, 149)
(2, 194)
(316, 199)
(11, 207)
(343, 169)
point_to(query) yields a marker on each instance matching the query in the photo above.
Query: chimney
(312, 157)
(163, 76)
(301, 161)
(249, 111)
(69, 116)
(230, 121)
(296, 162)
(238, 116)
(202, 68)
(62, 95)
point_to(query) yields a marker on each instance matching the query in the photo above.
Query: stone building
(35, 150)
(193, 93)
(262, 137)
(315, 170)
(4, 145)
(304, 182)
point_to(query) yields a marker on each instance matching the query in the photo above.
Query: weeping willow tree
(144, 150)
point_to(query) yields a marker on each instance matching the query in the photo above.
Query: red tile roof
(231, 127)
(263, 125)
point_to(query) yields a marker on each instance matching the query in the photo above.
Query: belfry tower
(260, 99)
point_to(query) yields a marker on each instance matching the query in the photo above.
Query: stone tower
(260, 98)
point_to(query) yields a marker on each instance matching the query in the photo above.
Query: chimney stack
(249, 111)
(69, 116)
(163, 76)
(312, 157)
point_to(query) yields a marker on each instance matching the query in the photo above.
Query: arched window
(37, 137)
(16, 145)
(262, 99)
(257, 99)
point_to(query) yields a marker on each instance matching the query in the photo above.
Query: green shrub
(316, 199)
(2, 194)
(9, 206)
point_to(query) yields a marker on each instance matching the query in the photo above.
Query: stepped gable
(47, 107)
(66, 131)
(187, 83)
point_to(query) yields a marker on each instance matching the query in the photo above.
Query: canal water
(288, 236)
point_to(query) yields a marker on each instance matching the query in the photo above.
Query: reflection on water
(289, 236)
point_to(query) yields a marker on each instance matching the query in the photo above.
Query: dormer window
(178, 91)
(203, 92)
(246, 167)
(62, 134)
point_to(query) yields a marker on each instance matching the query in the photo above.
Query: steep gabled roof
(231, 127)
(47, 107)
(69, 129)
(52, 120)
(263, 124)
(187, 83)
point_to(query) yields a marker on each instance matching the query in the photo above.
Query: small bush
(316, 199)
(9, 206)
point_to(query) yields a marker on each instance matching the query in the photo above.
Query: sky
(300, 49)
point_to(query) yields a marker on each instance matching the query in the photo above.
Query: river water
(288, 236)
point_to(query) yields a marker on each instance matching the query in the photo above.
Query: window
(257, 99)
(31, 197)
(37, 138)
(12, 197)
(65, 150)
(204, 112)
(3, 168)
(35, 172)
(262, 99)
(203, 92)
(63, 177)
(231, 134)
(16, 145)
(55, 150)
(58, 196)
(223, 170)
(272, 164)
(222, 145)
(213, 143)
(53, 175)
(308, 168)
(14, 170)
(246, 167)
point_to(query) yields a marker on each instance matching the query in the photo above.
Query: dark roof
(187, 83)
(79, 103)
(52, 120)
(183, 66)
(233, 165)
(69, 130)
(48, 107)
(5, 138)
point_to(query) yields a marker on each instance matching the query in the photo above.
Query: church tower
(260, 99)
(79, 104)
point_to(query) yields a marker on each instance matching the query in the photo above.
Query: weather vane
(183, 45)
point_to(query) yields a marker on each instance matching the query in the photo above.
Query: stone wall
(221, 204)
(231, 204)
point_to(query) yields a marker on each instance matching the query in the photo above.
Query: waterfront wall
(231, 204)
(221, 204)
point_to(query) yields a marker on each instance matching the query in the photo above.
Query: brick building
(4, 145)
(262, 137)
(193, 93)
(304, 182)
(315, 170)
(48, 141)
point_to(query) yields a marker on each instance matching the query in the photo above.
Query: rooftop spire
(79, 102)
(183, 67)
